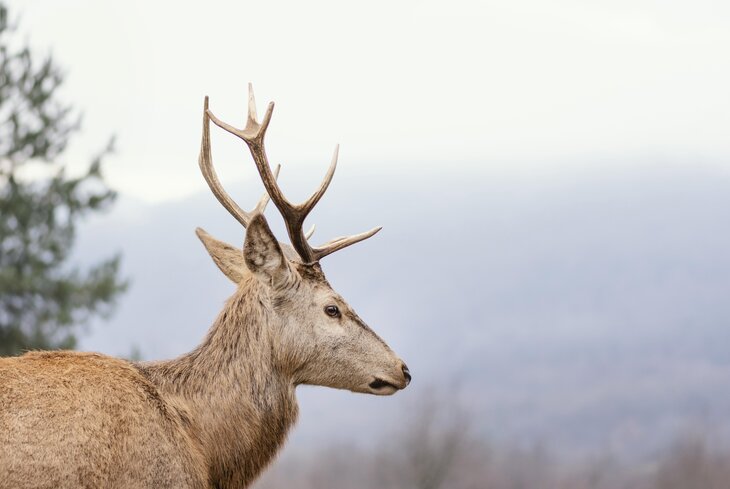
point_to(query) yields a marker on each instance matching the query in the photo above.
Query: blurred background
(553, 179)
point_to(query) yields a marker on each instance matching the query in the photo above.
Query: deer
(214, 417)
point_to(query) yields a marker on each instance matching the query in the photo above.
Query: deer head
(318, 337)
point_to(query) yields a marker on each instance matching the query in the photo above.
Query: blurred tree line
(43, 297)
(438, 444)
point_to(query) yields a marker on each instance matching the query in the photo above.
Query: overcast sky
(514, 86)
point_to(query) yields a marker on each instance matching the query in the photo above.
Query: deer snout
(406, 374)
(389, 384)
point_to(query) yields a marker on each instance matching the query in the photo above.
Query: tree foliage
(42, 296)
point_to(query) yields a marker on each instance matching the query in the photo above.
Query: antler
(206, 167)
(293, 214)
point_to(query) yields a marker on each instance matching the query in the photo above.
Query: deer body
(86, 420)
(216, 416)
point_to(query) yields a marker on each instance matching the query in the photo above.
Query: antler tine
(252, 118)
(205, 161)
(294, 215)
(206, 167)
(312, 201)
(310, 233)
(343, 242)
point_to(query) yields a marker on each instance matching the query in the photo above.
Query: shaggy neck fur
(240, 404)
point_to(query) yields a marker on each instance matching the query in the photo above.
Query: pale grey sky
(503, 86)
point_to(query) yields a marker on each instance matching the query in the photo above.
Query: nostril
(406, 374)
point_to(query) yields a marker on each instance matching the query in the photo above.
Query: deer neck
(240, 403)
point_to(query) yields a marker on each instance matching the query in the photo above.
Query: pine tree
(43, 297)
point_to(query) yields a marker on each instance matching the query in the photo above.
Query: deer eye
(332, 311)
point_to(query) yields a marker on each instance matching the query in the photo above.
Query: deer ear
(262, 254)
(228, 258)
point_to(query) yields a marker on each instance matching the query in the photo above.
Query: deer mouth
(383, 387)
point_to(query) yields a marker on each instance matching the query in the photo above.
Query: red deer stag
(214, 417)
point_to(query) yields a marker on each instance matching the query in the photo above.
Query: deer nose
(406, 374)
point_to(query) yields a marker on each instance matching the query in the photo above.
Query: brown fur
(87, 420)
(212, 418)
